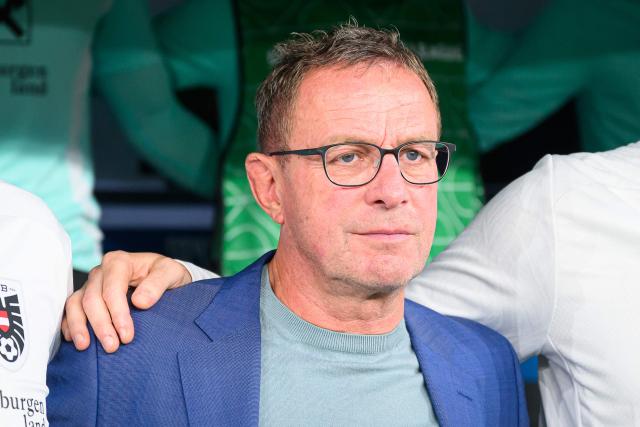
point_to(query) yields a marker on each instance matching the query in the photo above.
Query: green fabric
(45, 75)
(131, 74)
(583, 49)
(433, 29)
(44, 132)
(198, 39)
(316, 377)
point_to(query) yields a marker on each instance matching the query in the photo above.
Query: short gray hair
(345, 45)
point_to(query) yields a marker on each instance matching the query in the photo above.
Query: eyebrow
(346, 139)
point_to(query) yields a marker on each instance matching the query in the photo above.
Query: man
(551, 263)
(45, 79)
(319, 332)
(517, 48)
(35, 279)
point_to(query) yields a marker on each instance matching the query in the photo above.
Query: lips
(385, 231)
(386, 235)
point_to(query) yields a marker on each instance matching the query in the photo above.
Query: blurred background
(132, 118)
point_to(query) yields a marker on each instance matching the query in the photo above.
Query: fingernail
(109, 342)
(78, 340)
(124, 333)
(143, 298)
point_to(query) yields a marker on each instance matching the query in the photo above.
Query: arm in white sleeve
(197, 273)
(35, 279)
(500, 270)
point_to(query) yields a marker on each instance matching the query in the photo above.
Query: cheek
(312, 213)
(432, 207)
(427, 211)
(324, 212)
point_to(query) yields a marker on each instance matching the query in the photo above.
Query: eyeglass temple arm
(304, 152)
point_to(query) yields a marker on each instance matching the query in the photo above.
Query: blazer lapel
(221, 379)
(452, 391)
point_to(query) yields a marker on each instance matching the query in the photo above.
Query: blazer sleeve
(521, 401)
(72, 378)
(507, 378)
(493, 360)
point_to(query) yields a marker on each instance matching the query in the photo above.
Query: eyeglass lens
(357, 164)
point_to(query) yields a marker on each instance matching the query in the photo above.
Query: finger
(97, 312)
(117, 270)
(75, 321)
(165, 273)
(65, 329)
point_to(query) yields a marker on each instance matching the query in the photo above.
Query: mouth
(388, 236)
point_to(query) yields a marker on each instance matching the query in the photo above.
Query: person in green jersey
(51, 54)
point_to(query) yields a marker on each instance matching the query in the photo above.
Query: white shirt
(553, 263)
(35, 279)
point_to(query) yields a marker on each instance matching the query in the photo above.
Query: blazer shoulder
(486, 358)
(170, 325)
(463, 338)
(481, 332)
(184, 303)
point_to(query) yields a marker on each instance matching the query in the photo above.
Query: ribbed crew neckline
(289, 323)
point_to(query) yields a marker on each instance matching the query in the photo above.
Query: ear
(264, 177)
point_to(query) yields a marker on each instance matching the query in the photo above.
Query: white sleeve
(500, 271)
(197, 273)
(35, 279)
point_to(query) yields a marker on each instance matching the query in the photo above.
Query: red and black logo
(11, 328)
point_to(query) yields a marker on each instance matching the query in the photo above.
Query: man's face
(377, 236)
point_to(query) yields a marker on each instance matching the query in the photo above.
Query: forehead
(382, 103)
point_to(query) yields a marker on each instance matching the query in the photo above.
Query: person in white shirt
(35, 279)
(552, 262)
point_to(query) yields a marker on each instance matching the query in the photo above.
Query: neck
(331, 303)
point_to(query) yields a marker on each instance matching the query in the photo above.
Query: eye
(347, 154)
(346, 158)
(412, 155)
(418, 153)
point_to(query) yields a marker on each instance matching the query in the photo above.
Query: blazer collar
(453, 392)
(236, 307)
(221, 379)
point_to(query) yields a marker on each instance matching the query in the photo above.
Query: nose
(388, 188)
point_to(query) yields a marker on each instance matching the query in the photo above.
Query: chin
(376, 277)
(392, 270)
(377, 267)
(397, 258)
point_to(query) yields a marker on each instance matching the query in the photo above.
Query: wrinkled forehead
(380, 103)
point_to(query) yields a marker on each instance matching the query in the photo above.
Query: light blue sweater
(313, 376)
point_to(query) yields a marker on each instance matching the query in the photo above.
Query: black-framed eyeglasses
(353, 164)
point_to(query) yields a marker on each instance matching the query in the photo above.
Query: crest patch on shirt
(12, 330)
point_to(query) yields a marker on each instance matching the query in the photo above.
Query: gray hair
(345, 45)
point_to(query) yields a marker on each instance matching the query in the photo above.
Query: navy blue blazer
(196, 361)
